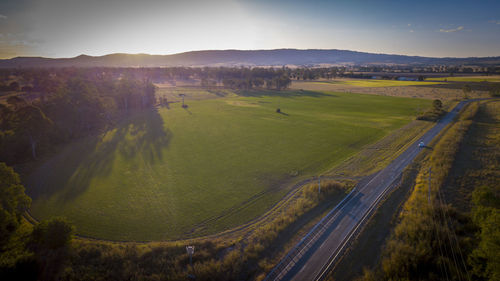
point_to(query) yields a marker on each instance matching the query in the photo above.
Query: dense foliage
(13, 203)
(434, 113)
(39, 253)
(66, 107)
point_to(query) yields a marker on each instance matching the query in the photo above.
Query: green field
(466, 79)
(381, 83)
(172, 173)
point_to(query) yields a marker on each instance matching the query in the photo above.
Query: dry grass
(445, 92)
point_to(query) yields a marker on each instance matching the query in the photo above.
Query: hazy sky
(67, 28)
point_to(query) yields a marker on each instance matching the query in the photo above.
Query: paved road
(312, 257)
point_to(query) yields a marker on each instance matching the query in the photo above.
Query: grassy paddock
(172, 173)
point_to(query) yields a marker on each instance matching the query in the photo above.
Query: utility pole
(190, 252)
(182, 95)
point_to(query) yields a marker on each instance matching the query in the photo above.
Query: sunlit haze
(67, 28)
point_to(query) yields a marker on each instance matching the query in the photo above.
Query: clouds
(460, 28)
(494, 22)
(3, 17)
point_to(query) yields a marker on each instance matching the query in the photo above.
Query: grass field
(215, 165)
(466, 79)
(380, 83)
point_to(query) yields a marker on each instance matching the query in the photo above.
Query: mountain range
(277, 57)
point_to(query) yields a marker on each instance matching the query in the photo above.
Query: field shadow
(281, 94)
(148, 137)
(71, 171)
(188, 111)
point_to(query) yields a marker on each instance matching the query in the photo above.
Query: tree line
(41, 108)
(67, 107)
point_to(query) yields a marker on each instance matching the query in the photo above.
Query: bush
(13, 203)
(52, 234)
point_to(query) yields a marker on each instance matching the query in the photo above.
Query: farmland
(445, 91)
(175, 172)
(466, 79)
(380, 83)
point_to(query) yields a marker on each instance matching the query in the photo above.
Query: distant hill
(277, 57)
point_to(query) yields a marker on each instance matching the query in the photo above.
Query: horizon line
(246, 50)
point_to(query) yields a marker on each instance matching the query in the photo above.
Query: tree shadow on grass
(70, 172)
(282, 94)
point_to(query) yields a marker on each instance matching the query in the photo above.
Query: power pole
(190, 252)
(182, 95)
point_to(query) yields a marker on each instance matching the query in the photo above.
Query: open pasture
(180, 172)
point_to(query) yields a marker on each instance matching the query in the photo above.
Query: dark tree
(33, 124)
(51, 241)
(437, 105)
(13, 203)
(52, 234)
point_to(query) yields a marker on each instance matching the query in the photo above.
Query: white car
(421, 144)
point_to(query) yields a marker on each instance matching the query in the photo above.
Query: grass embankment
(474, 189)
(213, 259)
(423, 245)
(435, 241)
(176, 173)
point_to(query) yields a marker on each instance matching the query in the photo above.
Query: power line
(441, 265)
(455, 236)
(447, 230)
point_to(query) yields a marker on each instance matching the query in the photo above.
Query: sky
(68, 28)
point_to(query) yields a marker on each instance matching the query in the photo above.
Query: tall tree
(33, 124)
(13, 203)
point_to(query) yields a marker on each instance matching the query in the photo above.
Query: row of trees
(39, 80)
(68, 109)
(276, 83)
